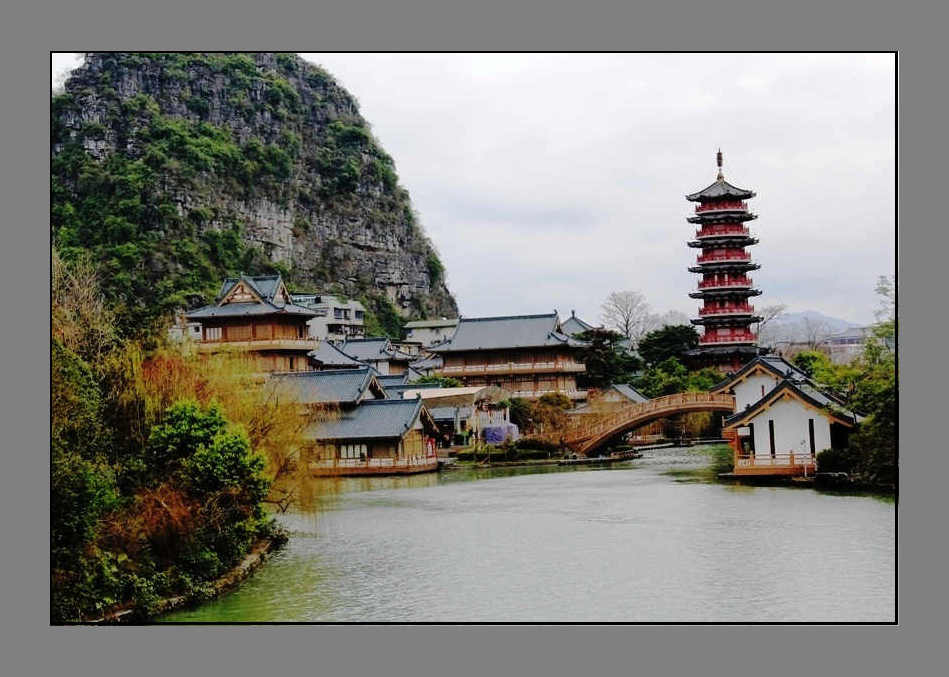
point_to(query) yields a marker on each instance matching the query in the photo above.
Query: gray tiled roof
(371, 419)
(773, 363)
(432, 362)
(629, 392)
(397, 390)
(393, 379)
(448, 413)
(337, 386)
(428, 324)
(514, 331)
(574, 325)
(248, 309)
(265, 286)
(373, 349)
(720, 188)
(327, 353)
(806, 390)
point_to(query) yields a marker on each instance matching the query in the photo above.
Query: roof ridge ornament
(718, 158)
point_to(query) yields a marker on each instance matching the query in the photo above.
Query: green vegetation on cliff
(174, 170)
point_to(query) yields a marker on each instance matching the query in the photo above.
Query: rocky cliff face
(259, 161)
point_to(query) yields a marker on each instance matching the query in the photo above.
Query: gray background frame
(30, 646)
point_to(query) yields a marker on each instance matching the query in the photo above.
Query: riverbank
(254, 559)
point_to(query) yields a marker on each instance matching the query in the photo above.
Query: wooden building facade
(527, 355)
(254, 315)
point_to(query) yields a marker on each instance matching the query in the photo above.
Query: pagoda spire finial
(718, 158)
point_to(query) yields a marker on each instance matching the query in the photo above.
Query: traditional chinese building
(527, 355)
(725, 288)
(782, 420)
(255, 315)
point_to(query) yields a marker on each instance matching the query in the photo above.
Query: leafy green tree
(671, 341)
(185, 429)
(607, 360)
(520, 412)
(443, 381)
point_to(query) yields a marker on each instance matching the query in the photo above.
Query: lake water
(641, 541)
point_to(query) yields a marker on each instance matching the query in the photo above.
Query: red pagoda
(725, 287)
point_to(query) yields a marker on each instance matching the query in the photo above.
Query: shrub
(836, 460)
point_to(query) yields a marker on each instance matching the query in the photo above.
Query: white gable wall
(749, 391)
(790, 418)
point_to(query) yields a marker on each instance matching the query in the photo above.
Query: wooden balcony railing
(730, 256)
(529, 394)
(513, 368)
(731, 338)
(728, 310)
(764, 464)
(734, 282)
(729, 206)
(374, 463)
(258, 344)
(714, 229)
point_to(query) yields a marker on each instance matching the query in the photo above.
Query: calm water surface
(641, 541)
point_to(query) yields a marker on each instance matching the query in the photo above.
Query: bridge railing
(666, 403)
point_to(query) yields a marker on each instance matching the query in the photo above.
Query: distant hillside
(800, 326)
(174, 170)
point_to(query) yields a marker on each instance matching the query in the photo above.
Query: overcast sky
(549, 180)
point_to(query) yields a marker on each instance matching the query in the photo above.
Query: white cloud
(550, 180)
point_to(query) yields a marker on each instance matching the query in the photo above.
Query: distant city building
(527, 355)
(335, 318)
(430, 332)
(725, 287)
(255, 315)
(847, 345)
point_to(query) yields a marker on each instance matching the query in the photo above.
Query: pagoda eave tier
(724, 293)
(740, 266)
(718, 190)
(738, 348)
(733, 320)
(729, 216)
(723, 241)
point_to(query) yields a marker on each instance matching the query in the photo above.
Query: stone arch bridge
(590, 431)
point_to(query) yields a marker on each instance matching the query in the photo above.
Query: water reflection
(628, 542)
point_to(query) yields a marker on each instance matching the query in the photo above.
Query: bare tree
(628, 313)
(886, 290)
(769, 313)
(814, 331)
(672, 318)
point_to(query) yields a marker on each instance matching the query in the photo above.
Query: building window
(751, 436)
(352, 451)
(810, 432)
(771, 435)
(338, 313)
(212, 333)
(359, 314)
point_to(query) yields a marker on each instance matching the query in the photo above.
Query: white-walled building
(782, 419)
(335, 319)
(430, 332)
